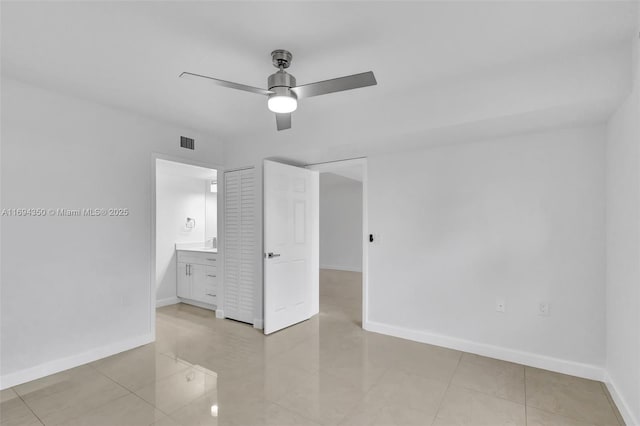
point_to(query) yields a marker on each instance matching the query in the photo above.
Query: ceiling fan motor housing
(281, 79)
(280, 83)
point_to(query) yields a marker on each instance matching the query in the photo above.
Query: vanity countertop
(200, 249)
(195, 246)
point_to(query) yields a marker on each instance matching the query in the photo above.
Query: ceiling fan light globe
(282, 104)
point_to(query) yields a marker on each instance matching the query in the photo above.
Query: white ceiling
(438, 64)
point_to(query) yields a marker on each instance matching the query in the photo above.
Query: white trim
(621, 403)
(342, 268)
(220, 314)
(315, 243)
(365, 241)
(202, 305)
(166, 302)
(258, 324)
(587, 371)
(55, 366)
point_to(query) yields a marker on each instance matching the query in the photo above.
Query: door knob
(271, 255)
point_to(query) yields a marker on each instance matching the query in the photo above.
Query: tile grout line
(564, 416)
(96, 408)
(364, 397)
(447, 388)
(28, 406)
(112, 380)
(294, 412)
(181, 406)
(483, 393)
(503, 398)
(571, 417)
(131, 392)
(491, 395)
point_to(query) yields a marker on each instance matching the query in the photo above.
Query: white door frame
(220, 176)
(327, 167)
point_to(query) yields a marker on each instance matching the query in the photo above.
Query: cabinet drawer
(210, 298)
(210, 294)
(211, 276)
(209, 259)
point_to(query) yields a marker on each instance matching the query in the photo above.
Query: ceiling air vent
(186, 142)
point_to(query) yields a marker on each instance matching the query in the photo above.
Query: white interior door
(291, 198)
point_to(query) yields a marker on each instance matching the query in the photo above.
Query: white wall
(623, 252)
(340, 223)
(177, 197)
(520, 217)
(77, 288)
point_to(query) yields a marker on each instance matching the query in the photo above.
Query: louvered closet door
(240, 245)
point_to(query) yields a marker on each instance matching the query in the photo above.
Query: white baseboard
(257, 323)
(219, 313)
(627, 415)
(55, 366)
(342, 268)
(586, 371)
(198, 304)
(166, 302)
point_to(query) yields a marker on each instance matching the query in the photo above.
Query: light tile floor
(325, 371)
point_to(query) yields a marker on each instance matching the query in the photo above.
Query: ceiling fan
(284, 94)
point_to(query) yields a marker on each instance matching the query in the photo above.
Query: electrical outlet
(501, 305)
(543, 309)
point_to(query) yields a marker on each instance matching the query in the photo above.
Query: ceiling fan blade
(224, 83)
(283, 121)
(349, 82)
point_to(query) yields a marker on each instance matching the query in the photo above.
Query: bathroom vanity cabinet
(197, 278)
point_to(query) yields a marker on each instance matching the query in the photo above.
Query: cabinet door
(184, 280)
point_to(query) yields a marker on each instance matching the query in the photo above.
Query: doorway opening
(342, 242)
(185, 235)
